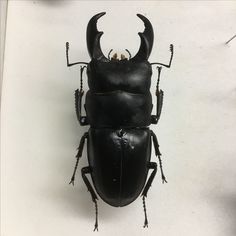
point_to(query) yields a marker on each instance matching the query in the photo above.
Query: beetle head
(94, 47)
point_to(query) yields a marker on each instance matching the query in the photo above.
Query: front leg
(78, 107)
(159, 100)
(78, 100)
(159, 104)
(160, 93)
(67, 58)
(171, 57)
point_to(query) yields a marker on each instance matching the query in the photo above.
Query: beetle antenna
(109, 54)
(145, 213)
(67, 57)
(128, 53)
(171, 57)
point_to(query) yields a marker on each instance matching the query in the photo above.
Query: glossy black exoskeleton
(118, 109)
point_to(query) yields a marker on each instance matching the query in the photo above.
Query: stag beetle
(118, 109)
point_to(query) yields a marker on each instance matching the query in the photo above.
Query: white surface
(3, 18)
(196, 132)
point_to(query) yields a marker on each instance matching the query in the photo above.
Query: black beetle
(118, 109)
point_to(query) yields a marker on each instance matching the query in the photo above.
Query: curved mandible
(146, 40)
(93, 38)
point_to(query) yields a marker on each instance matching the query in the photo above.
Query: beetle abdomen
(118, 109)
(119, 160)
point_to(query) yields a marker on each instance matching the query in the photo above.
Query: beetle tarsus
(162, 173)
(95, 227)
(171, 57)
(72, 181)
(164, 179)
(96, 213)
(75, 169)
(145, 213)
(67, 57)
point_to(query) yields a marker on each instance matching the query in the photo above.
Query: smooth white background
(3, 17)
(196, 132)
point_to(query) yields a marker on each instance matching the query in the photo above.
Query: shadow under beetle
(118, 109)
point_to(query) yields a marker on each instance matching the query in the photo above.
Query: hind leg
(153, 166)
(84, 171)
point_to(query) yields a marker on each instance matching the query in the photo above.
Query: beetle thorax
(129, 76)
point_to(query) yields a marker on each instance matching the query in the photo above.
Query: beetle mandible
(118, 109)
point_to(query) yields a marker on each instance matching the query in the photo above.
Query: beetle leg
(78, 100)
(171, 57)
(78, 104)
(78, 156)
(159, 100)
(151, 165)
(158, 154)
(67, 58)
(159, 104)
(84, 171)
